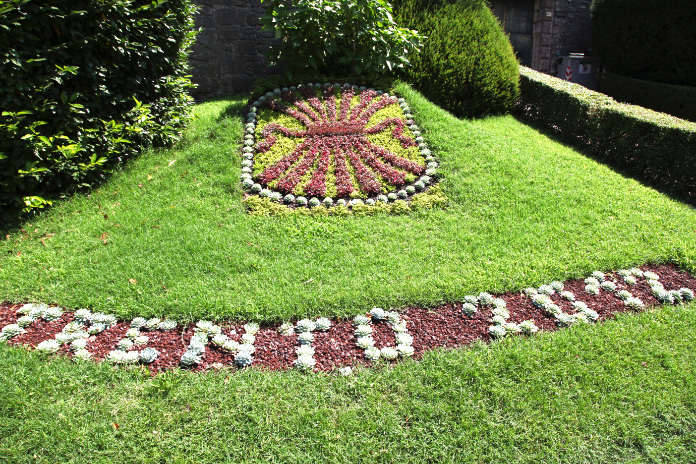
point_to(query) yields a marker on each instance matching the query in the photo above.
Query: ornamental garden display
(334, 145)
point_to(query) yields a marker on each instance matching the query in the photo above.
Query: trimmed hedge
(677, 100)
(655, 147)
(84, 84)
(651, 40)
(467, 64)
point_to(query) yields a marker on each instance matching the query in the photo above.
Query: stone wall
(560, 27)
(229, 51)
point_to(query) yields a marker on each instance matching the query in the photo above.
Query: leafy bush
(350, 38)
(654, 147)
(467, 65)
(83, 85)
(647, 39)
(677, 100)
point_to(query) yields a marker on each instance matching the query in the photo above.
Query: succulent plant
(78, 344)
(230, 346)
(630, 280)
(389, 353)
(530, 291)
(243, 358)
(623, 294)
(48, 346)
(557, 286)
(246, 347)
(167, 324)
(468, 309)
(190, 357)
(564, 320)
(393, 317)
(378, 314)
(248, 338)
(686, 294)
(580, 317)
(391, 196)
(552, 309)
(138, 323)
(580, 306)
(219, 339)
(305, 363)
(286, 328)
(83, 316)
(361, 319)
(635, 303)
(132, 333)
(497, 331)
(95, 329)
(502, 312)
(106, 319)
(546, 290)
(301, 201)
(655, 285)
(608, 286)
(323, 324)
(26, 308)
(498, 320)
(289, 198)
(25, 321)
(664, 296)
(471, 299)
(528, 327)
(649, 275)
(540, 300)
(399, 327)
(624, 273)
(404, 338)
(141, 340)
(512, 328)
(592, 281)
(305, 350)
(363, 330)
(305, 338)
(10, 331)
(276, 196)
(365, 342)
(592, 289)
(372, 354)
(52, 314)
(251, 328)
(124, 344)
(197, 345)
(152, 324)
(148, 355)
(676, 296)
(485, 299)
(591, 314)
(256, 188)
(499, 303)
(598, 275)
(64, 337)
(314, 202)
(82, 355)
(37, 311)
(636, 272)
(305, 325)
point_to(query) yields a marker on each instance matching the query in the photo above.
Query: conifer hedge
(467, 64)
(84, 84)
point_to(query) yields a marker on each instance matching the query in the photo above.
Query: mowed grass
(169, 235)
(622, 391)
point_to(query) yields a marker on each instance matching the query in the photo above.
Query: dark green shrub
(651, 40)
(677, 100)
(83, 85)
(467, 65)
(654, 147)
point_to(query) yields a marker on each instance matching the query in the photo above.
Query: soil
(439, 326)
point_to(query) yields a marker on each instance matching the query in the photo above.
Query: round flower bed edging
(335, 146)
(325, 345)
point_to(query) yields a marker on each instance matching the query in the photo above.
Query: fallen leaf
(171, 163)
(149, 177)
(133, 281)
(140, 185)
(309, 281)
(103, 238)
(115, 425)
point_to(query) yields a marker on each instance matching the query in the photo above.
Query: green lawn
(623, 391)
(524, 210)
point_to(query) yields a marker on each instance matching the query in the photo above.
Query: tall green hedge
(655, 147)
(84, 84)
(467, 64)
(653, 40)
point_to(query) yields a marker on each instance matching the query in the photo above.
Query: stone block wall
(229, 51)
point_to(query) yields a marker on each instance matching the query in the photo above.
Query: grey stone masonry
(229, 51)
(561, 27)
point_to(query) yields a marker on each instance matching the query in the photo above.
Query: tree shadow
(673, 192)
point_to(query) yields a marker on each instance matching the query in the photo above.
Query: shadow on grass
(670, 191)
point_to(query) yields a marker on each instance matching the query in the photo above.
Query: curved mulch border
(440, 326)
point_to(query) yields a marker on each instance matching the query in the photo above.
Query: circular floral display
(334, 144)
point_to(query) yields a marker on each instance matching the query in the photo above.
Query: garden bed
(325, 345)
